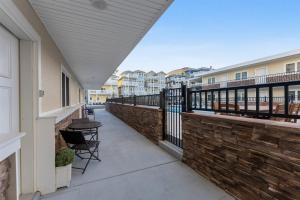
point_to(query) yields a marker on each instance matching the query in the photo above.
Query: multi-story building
(108, 90)
(140, 83)
(176, 77)
(277, 68)
(189, 76)
(131, 83)
(194, 76)
(154, 82)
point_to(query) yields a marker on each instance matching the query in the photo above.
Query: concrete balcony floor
(133, 168)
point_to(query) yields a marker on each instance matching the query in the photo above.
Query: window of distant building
(211, 80)
(292, 67)
(241, 76)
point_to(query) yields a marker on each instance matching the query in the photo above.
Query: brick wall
(147, 121)
(4, 178)
(249, 158)
(59, 143)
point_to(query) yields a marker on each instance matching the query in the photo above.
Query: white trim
(28, 32)
(67, 74)
(65, 71)
(61, 113)
(9, 144)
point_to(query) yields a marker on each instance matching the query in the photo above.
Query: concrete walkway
(133, 168)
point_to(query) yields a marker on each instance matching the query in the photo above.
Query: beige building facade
(277, 68)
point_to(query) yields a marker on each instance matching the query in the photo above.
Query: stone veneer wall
(4, 178)
(62, 125)
(249, 158)
(146, 120)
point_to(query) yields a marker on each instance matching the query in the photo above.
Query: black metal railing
(248, 100)
(145, 100)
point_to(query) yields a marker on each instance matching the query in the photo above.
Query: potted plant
(63, 167)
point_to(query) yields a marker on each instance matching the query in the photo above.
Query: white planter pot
(63, 176)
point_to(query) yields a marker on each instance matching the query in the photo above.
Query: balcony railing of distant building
(255, 80)
(143, 100)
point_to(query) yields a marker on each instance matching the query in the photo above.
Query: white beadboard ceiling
(95, 42)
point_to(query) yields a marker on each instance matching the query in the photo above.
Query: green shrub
(64, 157)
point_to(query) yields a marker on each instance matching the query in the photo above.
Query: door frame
(30, 84)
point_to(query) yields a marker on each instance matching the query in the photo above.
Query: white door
(260, 75)
(223, 81)
(9, 82)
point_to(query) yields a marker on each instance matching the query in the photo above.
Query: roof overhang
(95, 42)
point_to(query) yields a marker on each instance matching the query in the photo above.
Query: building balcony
(211, 86)
(127, 172)
(241, 83)
(256, 80)
(282, 77)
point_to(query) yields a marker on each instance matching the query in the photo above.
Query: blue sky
(218, 33)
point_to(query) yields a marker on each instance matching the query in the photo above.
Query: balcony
(283, 77)
(241, 83)
(135, 169)
(255, 80)
(211, 86)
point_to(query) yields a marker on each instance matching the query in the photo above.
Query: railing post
(184, 97)
(162, 99)
(189, 100)
(162, 106)
(286, 100)
(134, 100)
(122, 99)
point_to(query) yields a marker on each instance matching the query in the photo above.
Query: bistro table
(86, 125)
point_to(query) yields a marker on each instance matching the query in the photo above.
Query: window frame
(211, 80)
(286, 66)
(240, 73)
(65, 87)
(296, 66)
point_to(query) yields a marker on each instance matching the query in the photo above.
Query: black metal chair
(76, 141)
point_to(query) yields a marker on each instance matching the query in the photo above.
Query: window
(211, 80)
(241, 96)
(298, 67)
(65, 90)
(241, 76)
(79, 96)
(292, 95)
(238, 76)
(244, 75)
(290, 67)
